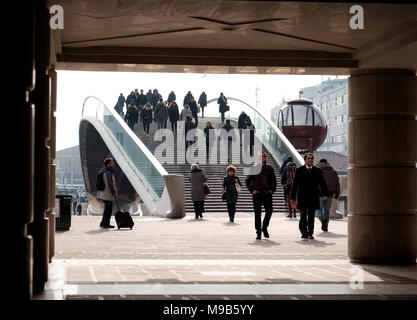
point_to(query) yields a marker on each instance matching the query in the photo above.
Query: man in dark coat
(149, 96)
(131, 99)
(155, 97)
(141, 100)
(120, 103)
(202, 101)
(187, 98)
(223, 107)
(306, 188)
(189, 125)
(194, 110)
(262, 183)
(171, 97)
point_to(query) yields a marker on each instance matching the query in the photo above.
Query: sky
(75, 86)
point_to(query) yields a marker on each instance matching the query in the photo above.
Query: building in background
(69, 176)
(331, 96)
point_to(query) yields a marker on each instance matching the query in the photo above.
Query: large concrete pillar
(18, 142)
(39, 228)
(382, 171)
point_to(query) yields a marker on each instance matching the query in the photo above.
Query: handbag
(224, 196)
(227, 108)
(206, 189)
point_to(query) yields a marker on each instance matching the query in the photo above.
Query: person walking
(79, 208)
(202, 102)
(74, 206)
(197, 180)
(131, 116)
(210, 137)
(230, 137)
(155, 98)
(194, 110)
(171, 97)
(231, 188)
(141, 100)
(109, 193)
(161, 114)
(305, 194)
(287, 180)
(223, 107)
(120, 103)
(187, 98)
(183, 115)
(189, 125)
(131, 99)
(261, 183)
(333, 190)
(249, 126)
(149, 96)
(173, 114)
(146, 116)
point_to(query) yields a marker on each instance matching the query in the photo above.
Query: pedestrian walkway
(213, 258)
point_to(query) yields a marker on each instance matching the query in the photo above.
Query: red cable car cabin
(304, 125)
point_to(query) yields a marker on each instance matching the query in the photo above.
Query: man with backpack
(106, 191)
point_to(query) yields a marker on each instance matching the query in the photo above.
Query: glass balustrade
(147, 167)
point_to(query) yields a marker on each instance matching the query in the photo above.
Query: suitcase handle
(117, 202)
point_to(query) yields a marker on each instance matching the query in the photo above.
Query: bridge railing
(151, 181)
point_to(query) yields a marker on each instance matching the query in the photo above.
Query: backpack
(100, 182)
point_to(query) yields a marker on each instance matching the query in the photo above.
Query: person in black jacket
(202, 101)
(229, 188)
(189, 125)
(120, 103)
(262, 183)
(131, 116)
(210, 137)
(223, 107)
(146, 116)
(194, 110)
(306, 189)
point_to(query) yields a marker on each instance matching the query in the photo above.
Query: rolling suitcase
(123, 218)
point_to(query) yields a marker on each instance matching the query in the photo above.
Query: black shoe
(258, 236)
(110, 226)
(266, 234)
(311, 237)
(304, 237)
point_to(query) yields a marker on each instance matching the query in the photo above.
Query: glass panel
(301, 115)
(151, 176)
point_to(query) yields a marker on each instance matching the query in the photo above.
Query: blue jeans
(324, 212)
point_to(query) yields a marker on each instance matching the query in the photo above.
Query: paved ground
(212, 258)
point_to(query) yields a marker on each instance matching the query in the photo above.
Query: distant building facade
(331, 96)
(69, 177)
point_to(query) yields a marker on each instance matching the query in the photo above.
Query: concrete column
(382, 173)
(39, 228)
(17, 179)
(52, 167)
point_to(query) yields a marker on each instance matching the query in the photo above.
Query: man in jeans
(333, 189)
(109, 194)
(262, 184)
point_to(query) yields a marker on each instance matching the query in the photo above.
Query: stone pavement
(212, 258)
